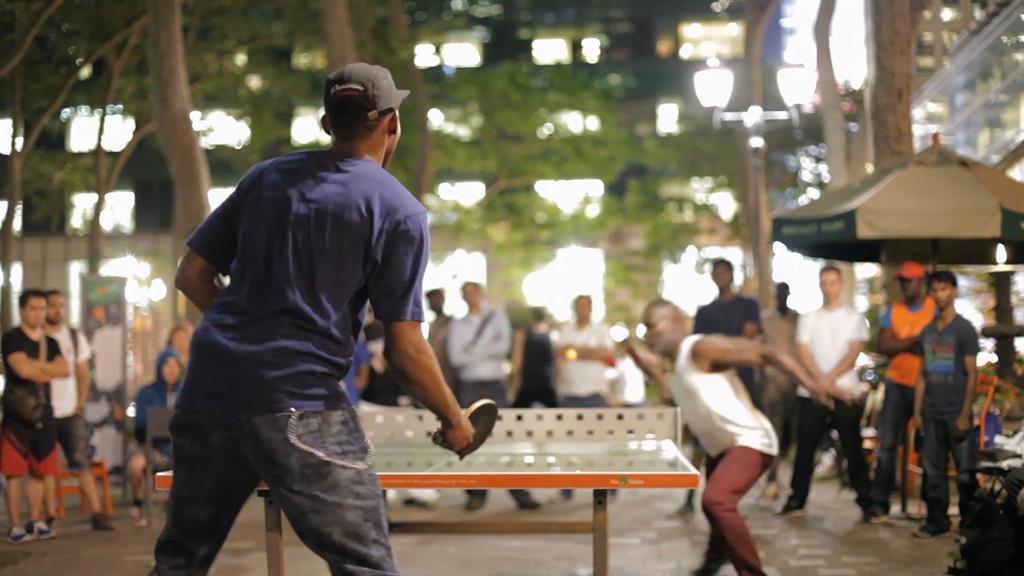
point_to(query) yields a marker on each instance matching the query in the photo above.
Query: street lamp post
(714, 86)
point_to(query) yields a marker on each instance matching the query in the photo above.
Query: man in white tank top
(737, 437)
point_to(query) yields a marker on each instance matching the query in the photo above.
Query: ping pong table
(623, 454)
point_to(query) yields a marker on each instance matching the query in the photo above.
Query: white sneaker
(39, 530)
(139, 517)
(17, 535)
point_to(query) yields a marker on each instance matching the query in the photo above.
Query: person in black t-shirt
(28, 444)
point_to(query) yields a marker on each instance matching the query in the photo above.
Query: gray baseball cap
(359, 92)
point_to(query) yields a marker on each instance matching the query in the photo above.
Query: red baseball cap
(910, 271)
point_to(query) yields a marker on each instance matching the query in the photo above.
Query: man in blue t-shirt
(943, 403)
(306, 239)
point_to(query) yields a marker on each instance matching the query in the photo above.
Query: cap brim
(396, 99)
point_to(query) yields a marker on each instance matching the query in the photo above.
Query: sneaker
(17, 535)
(712, 564)
(876, 515)
(791, 508)
(474, 503)
(929, 530)
(138, 517)
(101, 523)
(39, 530)
(50, 521)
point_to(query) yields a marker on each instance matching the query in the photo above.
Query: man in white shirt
(716, 406)
(583, 353)
(478, 347)
(828, 342)
(68, 396)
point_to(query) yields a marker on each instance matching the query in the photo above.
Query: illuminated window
(6, 130)
(425, 56)
(118, 213)
(590, 50)
(465, 54)
(575, 270)
(16, 287)
(220, 128)
(550, 51)
(76, 268)
(306, 128)
(667, 117)
(465, 194)
(83, 126)
(17, 216)
(572, 195)
(716, 39)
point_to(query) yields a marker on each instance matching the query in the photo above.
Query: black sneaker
(791, 508)
(929, 530)
(876, 515)
(101, 523)
(712, 564)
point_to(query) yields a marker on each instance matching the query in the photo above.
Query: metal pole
(600, 533)
(275, 538)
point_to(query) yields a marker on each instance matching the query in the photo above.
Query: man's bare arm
(716, 352)
(889, 344)
(38, 371)
(417, 369)
(82, 379)
(197, 280)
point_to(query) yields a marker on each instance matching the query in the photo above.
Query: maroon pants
(730, 476)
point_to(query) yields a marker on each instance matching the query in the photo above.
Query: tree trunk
(832, 119)
(15, 163)
(172, 103)
(363, 23)
(102, 186)
(759, 218)
(425, 162)
(892, 48)
(336, 20)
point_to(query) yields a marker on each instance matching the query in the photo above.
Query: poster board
(105, 324)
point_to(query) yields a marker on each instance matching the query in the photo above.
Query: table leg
(600, 533)
(275, 537)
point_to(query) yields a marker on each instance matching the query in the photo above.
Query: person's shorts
(16, 461)
(162, 462)
(73, 437)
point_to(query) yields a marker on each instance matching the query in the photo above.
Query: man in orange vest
(898, 332)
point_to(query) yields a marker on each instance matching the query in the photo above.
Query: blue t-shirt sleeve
(216, 239)
(969, 340)
(886, 320)
(396, 289)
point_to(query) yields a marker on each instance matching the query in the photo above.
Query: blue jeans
(940, 440)
(337, 511)
(897, 410)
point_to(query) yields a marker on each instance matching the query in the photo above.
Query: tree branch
(122, 157)
(69, 82)
(506, 184)
(19, 53)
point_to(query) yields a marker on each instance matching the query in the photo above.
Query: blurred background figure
(533, 361)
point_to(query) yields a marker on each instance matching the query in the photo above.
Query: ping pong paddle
(482, 415)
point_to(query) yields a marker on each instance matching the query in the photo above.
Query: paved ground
(646, 540)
